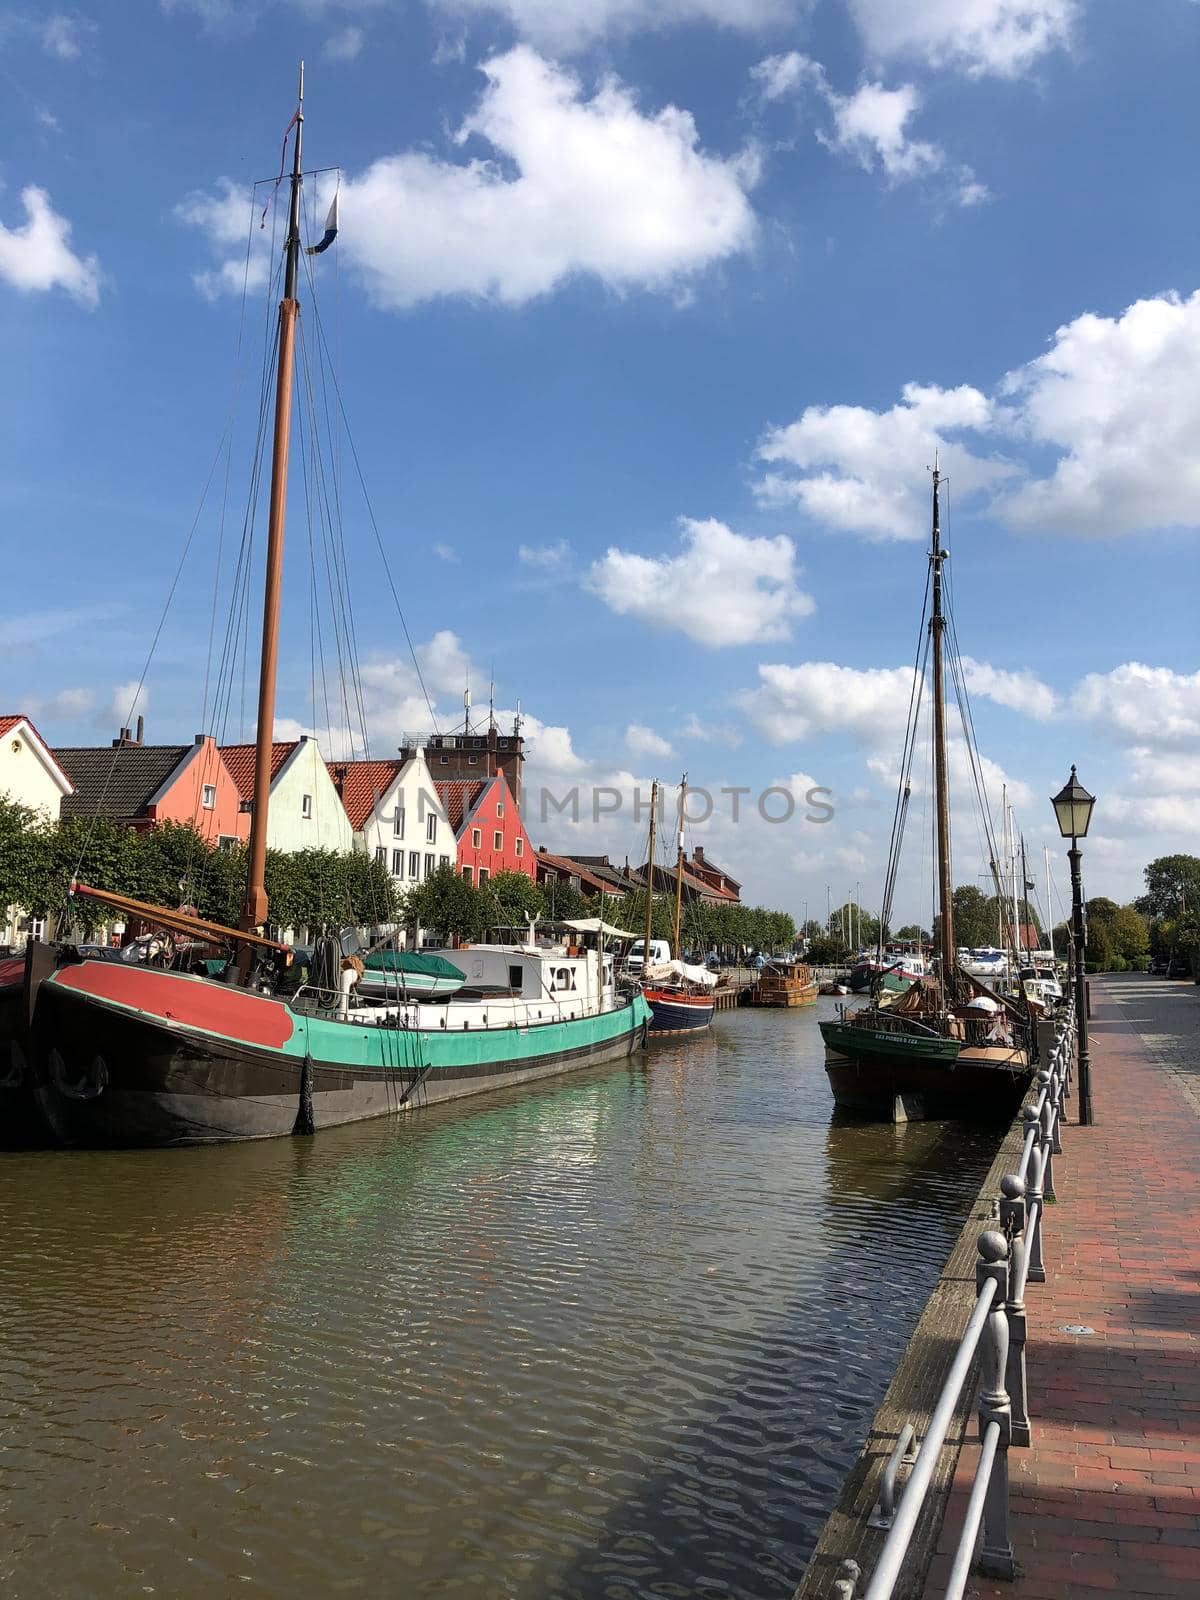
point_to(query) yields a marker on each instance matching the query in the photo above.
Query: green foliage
(1172, 887)
(511, 898)
(448, 906)
(911, 934)
(850, 924)
(564, 902)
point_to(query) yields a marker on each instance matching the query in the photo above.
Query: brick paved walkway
(1107, 1500)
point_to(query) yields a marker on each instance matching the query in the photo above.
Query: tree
(563, 902)
(1131, 936)
(447, 905)
(511, 899)
(1172, 887)
(910, 933)
(975, 920)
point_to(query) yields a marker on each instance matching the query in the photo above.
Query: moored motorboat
(784, 983)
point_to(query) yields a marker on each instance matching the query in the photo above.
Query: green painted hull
(848, 1039)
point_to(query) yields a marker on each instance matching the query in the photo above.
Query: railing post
(1012, 1220)
(996, 1551)
(1046, 1134)
(1057, 1089)
(1034, 1209)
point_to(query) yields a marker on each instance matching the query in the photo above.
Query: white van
(660, 954)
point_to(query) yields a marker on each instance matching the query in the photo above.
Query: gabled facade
(566, 869)
(396, 815)
(487, 824)
(715, 877)
(306, 812)
(30, 776)
(144, 785)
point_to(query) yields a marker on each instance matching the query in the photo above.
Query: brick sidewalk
(1107, 1500)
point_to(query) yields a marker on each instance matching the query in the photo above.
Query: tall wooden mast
(679, 868)
(650, 879)
(254, 907)
(937, 627)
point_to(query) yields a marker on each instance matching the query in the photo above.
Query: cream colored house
(396, 815)
(306, 812)
(29, 775)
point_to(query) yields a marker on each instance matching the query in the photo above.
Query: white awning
(596, 925)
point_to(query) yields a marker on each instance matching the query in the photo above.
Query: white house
(396, 815)
(29, 775)
(306, 812)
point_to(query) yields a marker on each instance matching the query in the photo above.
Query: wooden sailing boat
(786, 982)
(129, 1055)
(947, 1047)
(683, 1001)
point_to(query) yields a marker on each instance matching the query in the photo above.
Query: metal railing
(1010, 1257)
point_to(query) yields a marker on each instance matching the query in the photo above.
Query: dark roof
(117, 783)
(620, 877)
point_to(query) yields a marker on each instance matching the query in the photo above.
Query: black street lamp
(1073, 808)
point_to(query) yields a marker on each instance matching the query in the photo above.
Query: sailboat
(124, 1054)
(949, 1046)
(679, 994)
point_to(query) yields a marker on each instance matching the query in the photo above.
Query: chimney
(121, 739)
(698, 854)
(141, 728)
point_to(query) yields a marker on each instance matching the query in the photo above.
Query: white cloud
(446, 552)
(812, 697)
(226, 219)
(548, 556)
(724, 588)
(860, 470)
(571, 186)
(127, 703)
(345, 45)
(1141, 705)
(563, 26)
(870, 125)
(711, 732)
(64, 36)
(643, 741)
(38, 255)
(1119, 397)
(998, 37)
(1020, 691)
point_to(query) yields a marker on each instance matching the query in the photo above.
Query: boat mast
(937, 628)
(650, 880)
(1049, 907)
(679, 867)
(1025, 921)
(255, 905)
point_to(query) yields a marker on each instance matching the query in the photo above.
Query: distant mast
(256, 905)
(650, 880)
(937, 628)
(679, 868)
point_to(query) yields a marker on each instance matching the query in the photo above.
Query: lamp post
(1073, 809)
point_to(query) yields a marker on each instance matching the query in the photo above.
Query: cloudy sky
(649, 316)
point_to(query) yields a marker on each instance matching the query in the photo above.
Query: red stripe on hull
(232, 1013)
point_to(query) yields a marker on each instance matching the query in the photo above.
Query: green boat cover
(412, 961)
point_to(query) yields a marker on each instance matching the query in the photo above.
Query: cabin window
(397, 863)
(484, 875)
(468, 873)
(497, 840)
(519, 847)
(306, 805)
(210, 796)
(398, 823)
(476, 838)
(381, 855)
(514, 977)
(429, 866)
(414, 864)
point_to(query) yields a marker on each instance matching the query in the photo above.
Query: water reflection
(617, 1335)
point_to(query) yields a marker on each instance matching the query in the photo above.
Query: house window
(472, 761)
(306, 805)
(445, 760)
(499, 808)
(397, 863)
(429, 866)
(519, 847)
(414, 864)
(398, 823)
(476, 838)
(431, 828)
(227, 841)
(443, 861)
(497, 840)
(381, 855)
(484, 875)
(468, 873)
(209, 800)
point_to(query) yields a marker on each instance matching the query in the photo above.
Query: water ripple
(618, 1336)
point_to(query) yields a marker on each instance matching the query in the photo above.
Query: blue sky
(650, 318)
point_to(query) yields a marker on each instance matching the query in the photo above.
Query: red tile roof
(239, 761)
(575, 869)
(10, 722)
(362, 784)
(460, 796)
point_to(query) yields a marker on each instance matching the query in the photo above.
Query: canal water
(619, 1335)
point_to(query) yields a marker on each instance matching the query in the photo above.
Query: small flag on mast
(330, 234)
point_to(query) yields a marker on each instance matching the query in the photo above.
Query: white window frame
(519, 846)
(497, 840)
(431, 828)
(306, 805)
(414, 864)
(397, 863)
(398, 823)
(208, 797)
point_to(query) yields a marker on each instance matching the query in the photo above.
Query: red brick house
(487, 825)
